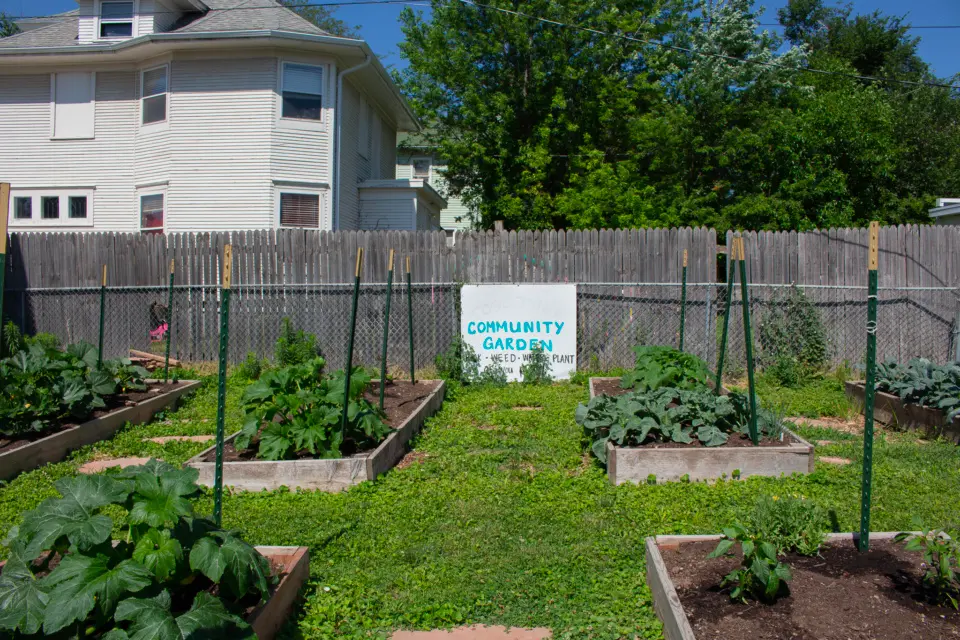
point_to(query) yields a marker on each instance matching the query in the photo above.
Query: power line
(720, 56)
(916, 26)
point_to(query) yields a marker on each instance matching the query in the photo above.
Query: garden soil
(839, 595)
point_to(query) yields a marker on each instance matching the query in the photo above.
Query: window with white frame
(301, 89)
(301, 210)
(421, 168)
(151, 213)
(51, 208)
(73, 98)
(116, 19)
(154, 94)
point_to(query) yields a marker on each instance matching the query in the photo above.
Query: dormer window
(116, 19)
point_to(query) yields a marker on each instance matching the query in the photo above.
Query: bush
(791, 522)
(253, 367)
(665, 367)
(792, 330)
(459, 363)
(14, 341)
(492, 375)
(294, 346)
(537, 368)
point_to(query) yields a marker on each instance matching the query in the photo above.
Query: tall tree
(323, 17)
(7, 26)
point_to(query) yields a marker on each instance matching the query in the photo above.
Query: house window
(421, 168)
(78, 207)
(151, 213)
(73, 105)
(302, 92)
(22, 208)
(116, 19)
(51, 207)
(154, 100)
(300, 210)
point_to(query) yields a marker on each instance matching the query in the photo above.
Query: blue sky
(380, 27)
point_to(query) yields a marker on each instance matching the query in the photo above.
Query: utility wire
(696, 52)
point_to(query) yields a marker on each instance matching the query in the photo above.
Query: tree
(7, 26)
(323, 17)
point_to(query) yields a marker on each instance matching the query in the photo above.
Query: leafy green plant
(786, 371)
(252, 367)
(14, 341)
(299, 409)
(791, 331)
(493, 375)
(941, 556)
(41, 387)
(294, 346)
(924, 383)
(665, 415)
(791, 522)
(761, 574)
(536, 370)
(657, 367)
(459, 363)
(168, 575)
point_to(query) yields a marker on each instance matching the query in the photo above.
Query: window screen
(151, 213)
(116, 19)
(302, 92)
(23, 208)
(299, 210)
(155, 95)
(78, 207)
(51, 207)
(421, 168)
(74, 110)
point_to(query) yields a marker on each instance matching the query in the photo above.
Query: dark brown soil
(400, 400)
(114, 403)
(840, 595)
(611, 387)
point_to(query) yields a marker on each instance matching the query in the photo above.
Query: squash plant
(41, 387)
(668, 415)
(168, 575)
(657, 367)
(298, 408)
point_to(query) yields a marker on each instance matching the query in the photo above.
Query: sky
(380, 27)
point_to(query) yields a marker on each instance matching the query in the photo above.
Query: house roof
(222, 16)
(947, 210)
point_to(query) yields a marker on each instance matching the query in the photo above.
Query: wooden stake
(103, 280)
(4, 214)
(227, 265)
(873, 262)
(684, 257)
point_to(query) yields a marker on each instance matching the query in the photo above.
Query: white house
(198, 115)
(417, 160)
(947, 211)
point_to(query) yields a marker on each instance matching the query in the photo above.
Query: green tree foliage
(552, 126)
(7, 26)
(323, 17)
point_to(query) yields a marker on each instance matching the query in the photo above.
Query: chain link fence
(612, 318)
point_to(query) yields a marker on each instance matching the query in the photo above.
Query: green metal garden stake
(386, 330)
(222, 384)
(413, 377)
(166, 359)
(731, 270)
(103, 309)
(348, 367)
(866, 490)
(683, 299)
(748, 339)
(4, 207)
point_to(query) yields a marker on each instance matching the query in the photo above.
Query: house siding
(457, 214)
(387, 210)
(354, 168)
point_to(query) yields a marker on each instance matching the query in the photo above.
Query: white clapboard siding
(221, 129)
(31, 159)
(87, 28)
(354, 168)
(388, 150)
(387, 209)
(165, 16)
(456, 215)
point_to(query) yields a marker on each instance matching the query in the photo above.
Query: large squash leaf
(163, 498)
(22, 598)
(152, 619)
(159, 553)
(232, 563)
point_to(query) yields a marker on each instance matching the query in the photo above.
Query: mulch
(114, 403)
(841, 594)
(400, 401)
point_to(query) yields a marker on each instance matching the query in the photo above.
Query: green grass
(504, 520)
(818, 397)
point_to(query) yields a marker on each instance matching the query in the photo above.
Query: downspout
(336, 151)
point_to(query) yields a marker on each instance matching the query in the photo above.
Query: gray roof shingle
(224, 15)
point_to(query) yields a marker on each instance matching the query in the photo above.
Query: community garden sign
(504, 323)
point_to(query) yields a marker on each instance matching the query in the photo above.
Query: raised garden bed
(407, 407)
(293, 564)
(25, 454)
(838, 594)
(890, 410)
(738, 458)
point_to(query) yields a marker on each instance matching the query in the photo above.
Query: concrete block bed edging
(636, 464)
(666, 602)
(269, 617)
(326, 475)
(890, 410)
(55, 447)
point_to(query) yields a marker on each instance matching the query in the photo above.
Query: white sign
(504, 322)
